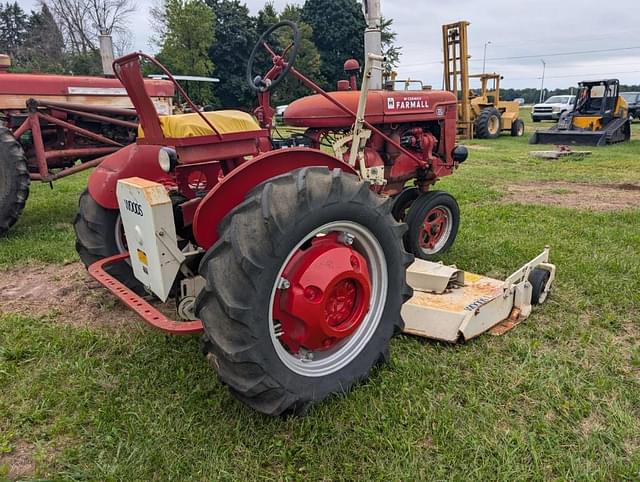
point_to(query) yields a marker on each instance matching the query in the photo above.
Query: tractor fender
(233, 188)
(131, 161)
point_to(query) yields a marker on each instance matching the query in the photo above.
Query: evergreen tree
(43, 47)
(13, 28)
(389, 48)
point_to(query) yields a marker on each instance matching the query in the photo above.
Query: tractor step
(144, 309)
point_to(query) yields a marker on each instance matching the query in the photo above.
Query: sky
(608, 38)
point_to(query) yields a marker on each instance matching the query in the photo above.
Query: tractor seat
(192, 125)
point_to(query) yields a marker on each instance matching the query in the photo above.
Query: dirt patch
(595, 197)
(64, 291)
(19, 461)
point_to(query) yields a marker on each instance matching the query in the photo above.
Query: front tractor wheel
(433, 221)
(304, 289)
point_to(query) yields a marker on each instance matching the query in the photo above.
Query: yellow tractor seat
(192, 125)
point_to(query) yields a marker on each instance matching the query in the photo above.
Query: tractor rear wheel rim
(436, 229)
(494, 125)
(353, 304)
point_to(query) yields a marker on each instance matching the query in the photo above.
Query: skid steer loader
(600, 117)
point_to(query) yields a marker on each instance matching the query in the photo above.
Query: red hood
(382, 107)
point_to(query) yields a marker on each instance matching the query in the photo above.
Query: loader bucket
(569, 138)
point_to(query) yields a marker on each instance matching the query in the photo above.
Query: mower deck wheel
(538, 279)
(14, 180)
(304, 289)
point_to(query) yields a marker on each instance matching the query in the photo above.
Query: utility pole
(373, 38)
(106, 53)
(484, 58)
(544, 69)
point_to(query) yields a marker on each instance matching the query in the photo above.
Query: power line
(537, 56)
(599, 74)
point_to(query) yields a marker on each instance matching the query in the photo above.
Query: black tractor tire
(489, 124)
(256, 238)
(96, 228)
(438, 202)
(14, 180)
(403, 201)
(538, 279)
(517, 128)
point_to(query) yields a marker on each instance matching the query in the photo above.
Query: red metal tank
(383, 107)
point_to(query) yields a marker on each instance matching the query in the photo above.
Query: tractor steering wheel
(281, 63)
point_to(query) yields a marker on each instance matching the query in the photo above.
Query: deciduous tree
(338, 33)
(235, 36)
(188, 37)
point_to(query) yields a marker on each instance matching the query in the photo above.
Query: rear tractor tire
(489, 124)
(14, 180)
(100, 234)
(304, 289)
(433, 219)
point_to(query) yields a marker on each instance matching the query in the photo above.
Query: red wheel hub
(326, 298)
(433, 227)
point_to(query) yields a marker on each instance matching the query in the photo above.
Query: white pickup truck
(553, 108)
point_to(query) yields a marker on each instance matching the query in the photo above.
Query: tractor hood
(383, 107)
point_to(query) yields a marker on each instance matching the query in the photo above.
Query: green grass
(557, 398)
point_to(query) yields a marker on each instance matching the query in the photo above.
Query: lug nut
(346, 238)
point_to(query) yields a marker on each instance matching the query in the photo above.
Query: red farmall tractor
(291, 259)
(52, 126)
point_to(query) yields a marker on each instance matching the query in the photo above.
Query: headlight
(557, 110)
(167, 158)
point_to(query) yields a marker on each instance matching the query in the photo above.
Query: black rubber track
(241, 269)
(482, 123)
(14, 180)
(95, 239)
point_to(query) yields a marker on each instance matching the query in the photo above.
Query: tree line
(221, 41)
(532, 96)
(192, 37)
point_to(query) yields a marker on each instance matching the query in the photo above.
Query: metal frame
(36, 117)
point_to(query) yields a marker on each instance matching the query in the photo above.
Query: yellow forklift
(481, 114)
(600, 116)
